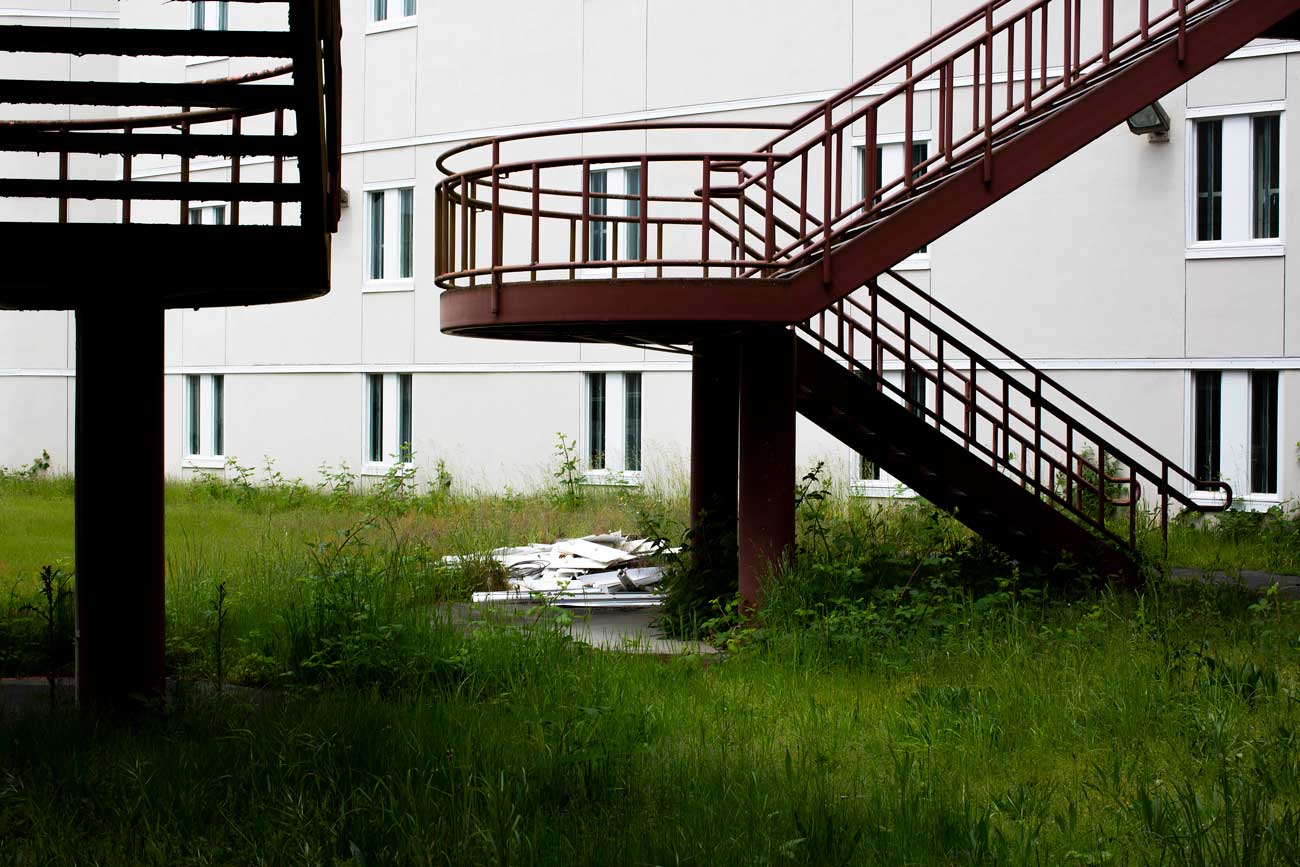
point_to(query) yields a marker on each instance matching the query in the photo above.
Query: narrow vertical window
(632, 422)
(916, 391)
(1207, 408)
(380, 10)
(1267, 135)
(1209, 180)
(219, 215)
(198, 15)
(376, 209)
(408, 8)
(404, 416)
(223, 15)
(218, 414)
(1263, 432)
(375, 417)
(596, 421)
(406, 244)
(598, 207)
(193, 406)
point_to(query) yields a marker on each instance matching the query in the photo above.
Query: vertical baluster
(1182, 30)
(839, 173)
(1144, 18)
(643, 209)
(950, 134)
(573, 246)
(1011, 63)
(614, 252)
(975, 89)
(1107, 29)
(803, 196)
(1078, 38)
(496, 227)
(870, 183)
(1164, 507)
(1038, 432)
(586, 207)
(1006, 418)
(185, 169)
(909, 108)
(939, 396)
(63, 176)
(826, 201)
(473, 229)
(877, 360)
(988, 96)
(769, 232)
(907, 359)
(1134, 492)
(126, 176)
(1070, 464)
(278, 177)
(943, 108)
(235, 132)
(1102, 497)
(536, 219)
(1029, 60)
(659, 249)
(1067, 51)
(704, 219)
(1042, 47)
(972, 395)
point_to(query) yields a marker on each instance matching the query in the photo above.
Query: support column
(715, 385)
(767, 463)
(119, 512)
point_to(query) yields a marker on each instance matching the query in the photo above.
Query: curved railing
(779, 201)
(287, 114)
(1029, 426)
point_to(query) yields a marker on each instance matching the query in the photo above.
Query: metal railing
(287, 115)
(1025, 423)
(780, 205)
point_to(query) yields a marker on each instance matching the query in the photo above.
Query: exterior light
(1151, 121)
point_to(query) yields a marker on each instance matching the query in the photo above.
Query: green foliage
(568, 473)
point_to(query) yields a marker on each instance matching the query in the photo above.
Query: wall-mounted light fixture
(1152, 121)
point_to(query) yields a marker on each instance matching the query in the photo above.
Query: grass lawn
(906, 697)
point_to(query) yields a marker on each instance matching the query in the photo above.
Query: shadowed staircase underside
(114, 229)
(789, 226)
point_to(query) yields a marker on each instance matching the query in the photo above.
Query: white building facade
(1150, 277)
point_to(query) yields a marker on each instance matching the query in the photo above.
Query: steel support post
(715, 404)
(767, 464)
(119, 515)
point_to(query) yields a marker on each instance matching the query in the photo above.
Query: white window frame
(1234, 438)
(390, 424)
(207, 212)
(616, 185)
(208, 456)
(894, 161)
(392, 210)
(210, 15)
(615, 471)
(1238, 186)
(396, 16)
(887, 486)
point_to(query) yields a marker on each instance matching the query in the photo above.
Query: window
(1236, 183)
(611, 432)
(210, 15)
(205, 415)
(380, 10)
(871, 480)
(1235, 436)
(389, 428)
(614, 239)
(208, 215)
(890, 166)
(390, 237)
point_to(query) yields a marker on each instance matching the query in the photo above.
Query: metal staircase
(789, 224)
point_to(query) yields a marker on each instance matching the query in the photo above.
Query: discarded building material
(598, 571)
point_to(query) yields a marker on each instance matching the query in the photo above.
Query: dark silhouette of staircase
(787, 233)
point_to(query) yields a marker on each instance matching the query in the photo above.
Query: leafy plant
(568, 472)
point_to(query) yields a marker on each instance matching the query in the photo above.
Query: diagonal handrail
(1025, 433)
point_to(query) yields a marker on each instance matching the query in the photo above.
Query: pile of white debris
(608, 570)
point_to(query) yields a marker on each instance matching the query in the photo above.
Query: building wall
(1085, 270)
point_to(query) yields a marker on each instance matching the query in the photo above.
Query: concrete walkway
(1288, 586)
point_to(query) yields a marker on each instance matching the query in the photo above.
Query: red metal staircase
(781, 229)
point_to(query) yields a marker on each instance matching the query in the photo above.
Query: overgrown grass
(905, 696)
